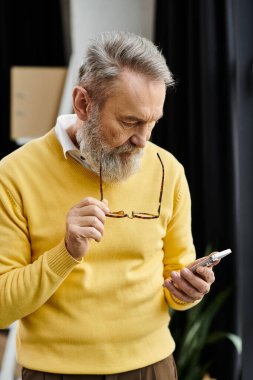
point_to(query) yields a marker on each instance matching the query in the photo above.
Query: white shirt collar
(64, 122)
(68, 147)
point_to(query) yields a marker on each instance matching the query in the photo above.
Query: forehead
(135, 94)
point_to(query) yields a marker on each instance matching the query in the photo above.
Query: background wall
(56, 33)
(31, 34)
(88, 18)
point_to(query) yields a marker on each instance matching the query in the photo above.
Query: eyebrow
(135, 118)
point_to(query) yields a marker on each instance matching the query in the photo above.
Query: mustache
(127, 147)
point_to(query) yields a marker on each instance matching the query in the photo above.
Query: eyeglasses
(140, 215)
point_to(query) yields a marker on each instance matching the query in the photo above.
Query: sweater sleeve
(179, 249)
(25, 285)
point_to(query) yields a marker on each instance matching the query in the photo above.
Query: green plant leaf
(196, 332)
(219, 335)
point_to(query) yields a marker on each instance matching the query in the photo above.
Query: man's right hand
(85, 221)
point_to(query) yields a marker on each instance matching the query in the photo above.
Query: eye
(138, 123)
(129, 125)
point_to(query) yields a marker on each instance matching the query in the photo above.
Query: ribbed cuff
(177, 304)
(60, 261)
(177, 300)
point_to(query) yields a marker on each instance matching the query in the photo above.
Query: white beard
(117, 163)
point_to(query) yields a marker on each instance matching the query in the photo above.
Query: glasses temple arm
(101, 181)
(162, 184)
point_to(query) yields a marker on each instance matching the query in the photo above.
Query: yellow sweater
(109, 313)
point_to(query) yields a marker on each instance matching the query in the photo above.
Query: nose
(140, 136)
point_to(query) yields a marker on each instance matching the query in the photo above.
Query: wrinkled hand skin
(85, 221)
(188, 286)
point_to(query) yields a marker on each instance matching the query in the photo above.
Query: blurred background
(207, 125)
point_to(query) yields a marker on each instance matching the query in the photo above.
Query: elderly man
(95, 229)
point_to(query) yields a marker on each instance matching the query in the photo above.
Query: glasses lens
(117, 214)
(144, 215)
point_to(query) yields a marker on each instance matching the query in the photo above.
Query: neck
(72, 132)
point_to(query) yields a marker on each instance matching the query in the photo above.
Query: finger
(89, 201)
(86, 211)
(89, 221)
(200, 283)
(82, 233)
(206, 273)
(194, 288)
(177, 293)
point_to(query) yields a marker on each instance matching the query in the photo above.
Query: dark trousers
(163, 370)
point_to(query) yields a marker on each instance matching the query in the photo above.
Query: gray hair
(112, 52)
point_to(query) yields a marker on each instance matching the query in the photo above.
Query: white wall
(89, 17)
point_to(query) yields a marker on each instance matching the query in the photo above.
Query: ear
(81, 102)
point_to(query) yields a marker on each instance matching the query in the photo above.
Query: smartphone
(210, 259)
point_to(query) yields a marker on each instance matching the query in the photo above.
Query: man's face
(119, 131)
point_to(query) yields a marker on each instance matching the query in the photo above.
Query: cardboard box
(35, 98)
